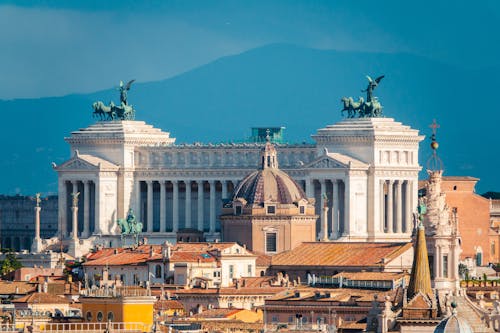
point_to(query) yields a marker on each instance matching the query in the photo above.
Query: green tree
(9, 264)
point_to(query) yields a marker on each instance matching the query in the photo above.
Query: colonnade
(171, 205)
(333, 193)
(86, 207)
(396, 206)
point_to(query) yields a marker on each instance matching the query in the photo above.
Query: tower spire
(420, 279)
(269, 156)
(434, 163)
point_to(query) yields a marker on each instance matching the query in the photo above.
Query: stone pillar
(36, 246)
(37, 222)
(323, 218)
(138, 201)
(187, 214)
(86, 209)
(224, 189)
(309, 188)
(97, 207)
(212, 206)
(382, 207)
(74, 190)
(74, 209)
(408, 213)
(335, 209)
(390, 207)
(149, 184)
(399, 207)
(175, 205)
(163, 207)
(347, 210)
(200, 204)
(324, 223)
(437, 261)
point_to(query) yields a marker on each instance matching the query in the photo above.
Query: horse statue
(371, 109)
(352, 107)
(103, 111)
(130, 226)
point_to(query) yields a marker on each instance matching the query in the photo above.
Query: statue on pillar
(38, 200)
(75, 198)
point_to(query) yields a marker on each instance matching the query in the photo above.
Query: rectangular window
(302, 210)
(271, 242)
(249, 270)
(492, 248)
(445, 266)
(231, 271)
(238, 210)
(271, 209)
(431, 266)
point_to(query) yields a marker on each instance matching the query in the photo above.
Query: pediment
(336, 161)
(83, 162)
(325, 162)
(77, 164)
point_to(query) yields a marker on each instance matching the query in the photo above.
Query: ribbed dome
(269, 183)
(453, 324)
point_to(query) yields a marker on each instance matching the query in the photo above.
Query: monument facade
(364, 169)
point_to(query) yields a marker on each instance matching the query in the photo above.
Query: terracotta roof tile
(41, 298)
(217, 313)
(168, 304)
(348, 254)
(9, 287)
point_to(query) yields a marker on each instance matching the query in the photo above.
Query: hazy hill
(276, 85)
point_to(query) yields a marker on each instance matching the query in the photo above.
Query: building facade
(366, 169)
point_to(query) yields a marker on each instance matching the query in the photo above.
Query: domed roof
(453, 324)
(269, 183)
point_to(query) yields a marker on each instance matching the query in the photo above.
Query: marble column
(390, 207)
(149, 183)
(309, 188)
(324, 223)
(212, 206)
(163, 207)
(138, 201)
(399, 207)
(323, 202)
(37, 222)
(175, 205)
(224, 189)
(86, 209)
(200, 204)
(347, 208)
(437, 261)
(74, 209)
(408, 212)
(382, 207)
(74, 228)
(187, 214)
(335, 209)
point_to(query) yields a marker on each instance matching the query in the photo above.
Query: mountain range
(275, 85)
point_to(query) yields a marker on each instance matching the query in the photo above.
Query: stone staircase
(467, 312)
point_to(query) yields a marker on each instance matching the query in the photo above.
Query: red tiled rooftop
(41, 298)
(348, 254)
(180, 256)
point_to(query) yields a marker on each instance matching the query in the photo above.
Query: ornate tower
(442, 232)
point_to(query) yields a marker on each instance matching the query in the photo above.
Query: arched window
(99, 316)
(158, 271)
(111, 316)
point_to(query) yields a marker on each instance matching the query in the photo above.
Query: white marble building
(367, 168)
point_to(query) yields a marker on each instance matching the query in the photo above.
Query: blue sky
(53, 48)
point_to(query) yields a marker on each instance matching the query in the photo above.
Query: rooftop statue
(361, 109)
(130, 226)
(124, 111)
